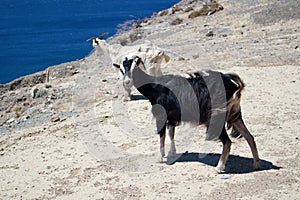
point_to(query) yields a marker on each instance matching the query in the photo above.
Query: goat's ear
(116, 65)
(167, 58)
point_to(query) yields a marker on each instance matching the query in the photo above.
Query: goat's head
(159, 56)
(155, 60)
(126, 69)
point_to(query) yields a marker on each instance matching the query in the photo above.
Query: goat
(96, 41)
(153, 57)
(210, 98)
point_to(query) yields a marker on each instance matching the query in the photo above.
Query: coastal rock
(188, 9)
(207, 9)
(176, 21)
(163, 13)
(38, 92)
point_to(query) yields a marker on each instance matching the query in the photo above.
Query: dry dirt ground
(77, 139)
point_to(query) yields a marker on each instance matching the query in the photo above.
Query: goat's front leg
(162, 135)
(242, 129)
(225, 152)
(127, 96)
(172, 152)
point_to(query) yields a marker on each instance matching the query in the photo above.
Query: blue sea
(35, 34)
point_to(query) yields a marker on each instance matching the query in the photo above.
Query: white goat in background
(151, 55)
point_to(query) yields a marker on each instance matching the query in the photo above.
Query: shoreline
(66, 44)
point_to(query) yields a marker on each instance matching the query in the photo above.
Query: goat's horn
(103, 35)
(92, 38)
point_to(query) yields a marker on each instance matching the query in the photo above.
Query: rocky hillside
(65, 132)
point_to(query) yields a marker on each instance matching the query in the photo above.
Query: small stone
(188, 9)
(37, 93)
(55, 118)
(163, 13)
(195, 56)
(176, 21)
(21, 99)
(210, 34)
(11, 120)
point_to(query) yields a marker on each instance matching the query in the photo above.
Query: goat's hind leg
(242, 129)
(225, 152)
(172, 152)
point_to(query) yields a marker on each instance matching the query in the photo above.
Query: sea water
(35, 34)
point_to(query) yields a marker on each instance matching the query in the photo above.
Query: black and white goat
(210, 98)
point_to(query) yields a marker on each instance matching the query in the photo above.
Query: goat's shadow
(137, 97)
(235, 164)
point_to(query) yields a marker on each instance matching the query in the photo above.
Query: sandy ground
(86, 143)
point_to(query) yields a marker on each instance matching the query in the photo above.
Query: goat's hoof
(218, 170)
(161, 160)
(256, 165)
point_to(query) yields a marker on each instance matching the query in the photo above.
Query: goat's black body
(186, 99)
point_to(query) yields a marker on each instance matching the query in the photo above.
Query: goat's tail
(236, 80)
(235, 110)
(230, 124)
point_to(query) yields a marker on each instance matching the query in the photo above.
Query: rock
(207, 9)
(163, 13)
(196, 13)
(195, 56)
(26, 117)
(210, 34)
(55, 118)
(31, 110)
(176, 8)
(37, 92)
(23, 98)
(188, 9)
(176, 21)
(11, 120)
